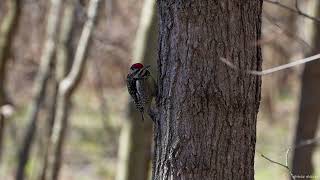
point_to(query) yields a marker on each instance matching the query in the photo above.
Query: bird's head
(135, 68)
(138, 70)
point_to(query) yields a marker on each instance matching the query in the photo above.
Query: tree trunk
(309, 109)
(66, 88)
(63, 62)
(278, 51)
(207, 112)
(39, 86)
(136, 136)
(7, 29)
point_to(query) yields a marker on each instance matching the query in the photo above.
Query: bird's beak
(146, 67)
(134, 72)
(141, 71)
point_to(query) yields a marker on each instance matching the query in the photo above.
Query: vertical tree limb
(63, 62)
(136, 136)
(7, 30)
(40, 86)
(309, 107)
(66, 88)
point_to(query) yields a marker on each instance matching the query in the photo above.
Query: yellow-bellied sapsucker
(142, 87)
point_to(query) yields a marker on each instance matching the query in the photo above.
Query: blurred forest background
(54, 37)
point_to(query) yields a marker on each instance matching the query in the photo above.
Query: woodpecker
(141, 87)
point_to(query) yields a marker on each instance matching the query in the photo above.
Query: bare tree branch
(275, 69)
(286, 31)
(69, 83)
(282, 165)
(302, 144)
(294, 10)
(297, 5)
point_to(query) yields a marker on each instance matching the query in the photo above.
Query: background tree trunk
(136, 136)
(40, 86)
(281, 25)
(66, 88)
(63, 61)
(7, 29)
(309, 109)
(207, 111)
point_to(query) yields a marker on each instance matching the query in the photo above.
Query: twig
(285, 31)
(295, 10)
(307, 142)
(301, 144)
(275, 69)
(282, 165)
(297, 5)
(285, 166)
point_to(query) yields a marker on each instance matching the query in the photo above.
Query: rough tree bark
(309, 108)
(65, 91)
(206, 123)
(136, 136)
(39, 86)
(7, 30)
